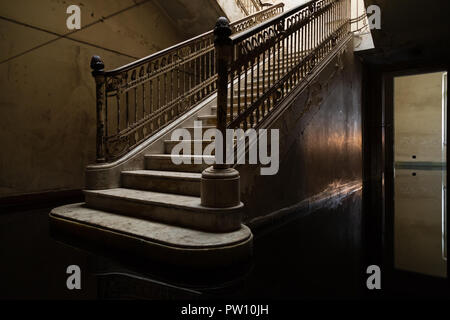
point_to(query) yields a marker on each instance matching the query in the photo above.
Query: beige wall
(195, 17)
(231, 9)
(47, 106)
(418, 117)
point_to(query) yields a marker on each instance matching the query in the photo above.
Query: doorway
(420, 173)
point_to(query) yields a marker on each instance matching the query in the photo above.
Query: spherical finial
(222, 28)
(97, 63)
(222, 22)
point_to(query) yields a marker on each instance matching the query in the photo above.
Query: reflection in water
(420, 148)
(314, 255)
(420, 220)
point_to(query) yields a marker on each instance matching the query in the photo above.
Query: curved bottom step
(153, 240)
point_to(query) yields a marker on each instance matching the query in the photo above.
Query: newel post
(220, 184)
(222, 44)
(98, 72)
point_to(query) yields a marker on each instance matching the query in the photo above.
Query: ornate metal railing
(137, 100)
(266, 62)
(359, 24)
(249, 7)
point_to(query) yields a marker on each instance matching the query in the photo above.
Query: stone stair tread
(168, 156)
(190, 140)
(166, 234)
(149, 197)
(167, 174)
(171, 208)
(164, 162)
(203, 127)
(207, 116)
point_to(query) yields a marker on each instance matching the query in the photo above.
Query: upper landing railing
(249, 7)
(266, 62)
(140, 98)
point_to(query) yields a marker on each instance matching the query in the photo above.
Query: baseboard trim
(40, 200)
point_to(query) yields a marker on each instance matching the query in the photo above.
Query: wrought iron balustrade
(266, 62)
(137, 100)
(249, 7)
(360, 24)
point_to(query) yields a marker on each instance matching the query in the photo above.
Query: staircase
(166, 196)
(168, 192)
(156, 208)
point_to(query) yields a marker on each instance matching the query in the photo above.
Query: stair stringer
(315, 86)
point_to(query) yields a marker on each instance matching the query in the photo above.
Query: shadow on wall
(47, 105)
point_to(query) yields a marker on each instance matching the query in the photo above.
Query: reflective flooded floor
(316, 256)
(420, 221)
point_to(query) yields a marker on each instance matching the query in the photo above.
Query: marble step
(212, 119)
(170, 144)
(214, 111)
(208, 120)
(243, 99)
(203, 128)
(249, 86)
(165, 162)
(235, 113)
(151, 240)
(180, 210)
(185, 183)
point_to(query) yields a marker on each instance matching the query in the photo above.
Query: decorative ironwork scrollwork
(138, 99)
(117, 146)
(269, 61)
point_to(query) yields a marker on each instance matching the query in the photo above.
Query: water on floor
(420, 236)
(317, 256)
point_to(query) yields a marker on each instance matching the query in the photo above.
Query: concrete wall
(418, 118)
(195, 17)
(47, 106)
(320, 144)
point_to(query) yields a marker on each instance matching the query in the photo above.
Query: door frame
(398, 277)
